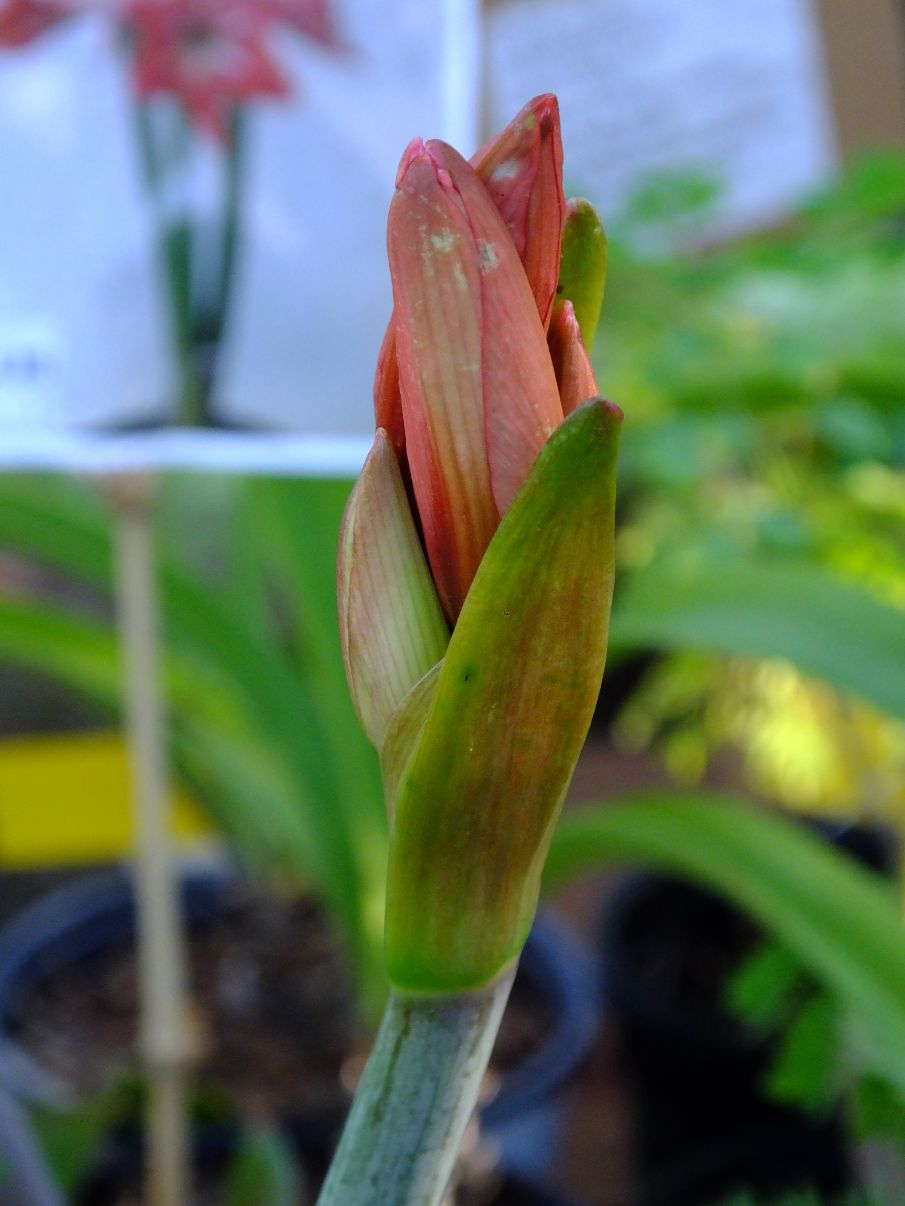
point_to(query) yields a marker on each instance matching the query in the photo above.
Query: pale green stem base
(415, 1099)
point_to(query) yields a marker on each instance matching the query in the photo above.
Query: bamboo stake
(165, 1038)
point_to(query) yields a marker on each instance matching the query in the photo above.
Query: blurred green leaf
(806, 1072)
(873, 186)
(79, 652)
(878, 1110)
(840, 921)
(825, 627)
(233, 691)
(760, 990)
(226, 769)
(264, 1171)
(71, 1140)
(670, 198)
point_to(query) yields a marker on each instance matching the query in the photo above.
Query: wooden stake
(165, 1039)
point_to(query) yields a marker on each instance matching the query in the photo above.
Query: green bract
(582, 266)
(504, 722)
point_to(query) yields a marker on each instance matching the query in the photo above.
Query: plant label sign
(700, 119)
(192, 249)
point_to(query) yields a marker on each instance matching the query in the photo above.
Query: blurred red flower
(211, 55)
(23, 20)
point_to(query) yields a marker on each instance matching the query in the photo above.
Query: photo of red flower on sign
(210, 55)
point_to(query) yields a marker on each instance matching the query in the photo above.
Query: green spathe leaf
(514, 697)
(582, 266)
(404, 732)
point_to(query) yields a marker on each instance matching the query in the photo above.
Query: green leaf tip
(582, 266)
(478, 797)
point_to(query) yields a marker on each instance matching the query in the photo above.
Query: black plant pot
(704, 1127)
(89, 915)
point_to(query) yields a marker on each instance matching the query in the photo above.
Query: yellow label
(67, 799)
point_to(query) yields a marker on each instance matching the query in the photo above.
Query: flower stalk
(417, 1094)
(475, 580)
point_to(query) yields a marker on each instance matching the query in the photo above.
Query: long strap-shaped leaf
(297, 524)
(840, 920)
(224, 764)
(828, 628)
(65, 525)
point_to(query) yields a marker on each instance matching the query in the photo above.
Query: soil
(277, 1033)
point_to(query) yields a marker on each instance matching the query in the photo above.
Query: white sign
(83, 333)
(733, 90)
(312, 289)
(87, 346)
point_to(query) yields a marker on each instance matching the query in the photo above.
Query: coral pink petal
(574, 374)
(21, 21)
(436, 273)
(387, 399)
(521, 168)
(520, 396)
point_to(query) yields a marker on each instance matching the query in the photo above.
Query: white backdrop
(734, 89)
(730, 87)
(83, 339)
(84, 336)
(312, 288)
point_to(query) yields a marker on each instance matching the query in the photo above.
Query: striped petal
(574, 374)
(479, 395)
(387, 401)
(436, 274)
(522, 170)
(391, 626)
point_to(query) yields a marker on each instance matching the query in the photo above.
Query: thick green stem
(415, 1099)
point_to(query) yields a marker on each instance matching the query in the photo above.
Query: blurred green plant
(264, 1171)
(762, 523)
(817, 1046)
(804, 1197)
(767, 424)
(261, 728)
(841, 921)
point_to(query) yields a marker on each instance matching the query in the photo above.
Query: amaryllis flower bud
(474, 588)
(482, 390)
(479, 394)
(522, 170)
